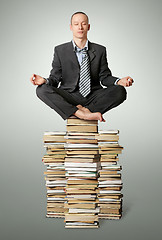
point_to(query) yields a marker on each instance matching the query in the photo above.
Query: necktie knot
(83, 50)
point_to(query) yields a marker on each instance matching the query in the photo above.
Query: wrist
(118, 82)
(44, 80)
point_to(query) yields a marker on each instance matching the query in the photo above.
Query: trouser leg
(102, 100)
(62, 104)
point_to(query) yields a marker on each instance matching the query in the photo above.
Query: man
(79, 72)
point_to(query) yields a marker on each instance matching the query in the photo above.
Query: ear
(88, 27)
(70, 27)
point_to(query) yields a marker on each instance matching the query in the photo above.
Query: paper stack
(110, 183)
(55, 174)
(81, 165)
(83, 176)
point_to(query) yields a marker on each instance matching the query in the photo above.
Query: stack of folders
(110, 183)
(81, 166)
(55, 174)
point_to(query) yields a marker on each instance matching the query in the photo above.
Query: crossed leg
(91, 108)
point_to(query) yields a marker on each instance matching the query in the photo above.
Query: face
(79, 26)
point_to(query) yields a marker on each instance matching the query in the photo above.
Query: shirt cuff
(116, 81)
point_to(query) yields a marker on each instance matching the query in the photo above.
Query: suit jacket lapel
(91, 51)
(73, 56)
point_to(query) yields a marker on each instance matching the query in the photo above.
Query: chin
(81, 36)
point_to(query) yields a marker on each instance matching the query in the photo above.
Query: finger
(32, 81)
(34, 76)
(130, 80)
(31, 78)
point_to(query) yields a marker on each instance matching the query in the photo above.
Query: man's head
(79, 13)
(79, 25)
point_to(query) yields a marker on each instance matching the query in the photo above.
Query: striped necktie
(85, 78)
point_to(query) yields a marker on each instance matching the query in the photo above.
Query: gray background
(131, 31)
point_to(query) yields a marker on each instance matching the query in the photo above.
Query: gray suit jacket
(66, 68)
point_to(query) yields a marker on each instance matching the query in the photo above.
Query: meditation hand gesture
(126, 81)
(37, 80)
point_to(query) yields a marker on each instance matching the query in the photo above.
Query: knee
(40, 90)
(121, 93)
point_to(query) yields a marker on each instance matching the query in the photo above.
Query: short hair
(79, 13)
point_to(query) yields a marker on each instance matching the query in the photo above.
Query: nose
(80, 26)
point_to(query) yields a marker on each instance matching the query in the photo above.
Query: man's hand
(126, 81)
(37, 80)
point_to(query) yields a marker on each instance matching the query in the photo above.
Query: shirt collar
(76, 48)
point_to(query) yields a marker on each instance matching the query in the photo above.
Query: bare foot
(90, 115)
(86, 114)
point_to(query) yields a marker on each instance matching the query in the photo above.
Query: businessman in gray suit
(62, 90)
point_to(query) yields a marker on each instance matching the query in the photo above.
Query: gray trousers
(64, 102)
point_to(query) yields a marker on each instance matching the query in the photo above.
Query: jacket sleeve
(105, 75)
(56, 72)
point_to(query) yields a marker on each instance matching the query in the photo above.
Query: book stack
(81, 165)
(55, 174)
(110, 183)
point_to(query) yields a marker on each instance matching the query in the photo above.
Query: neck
(80, 42)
